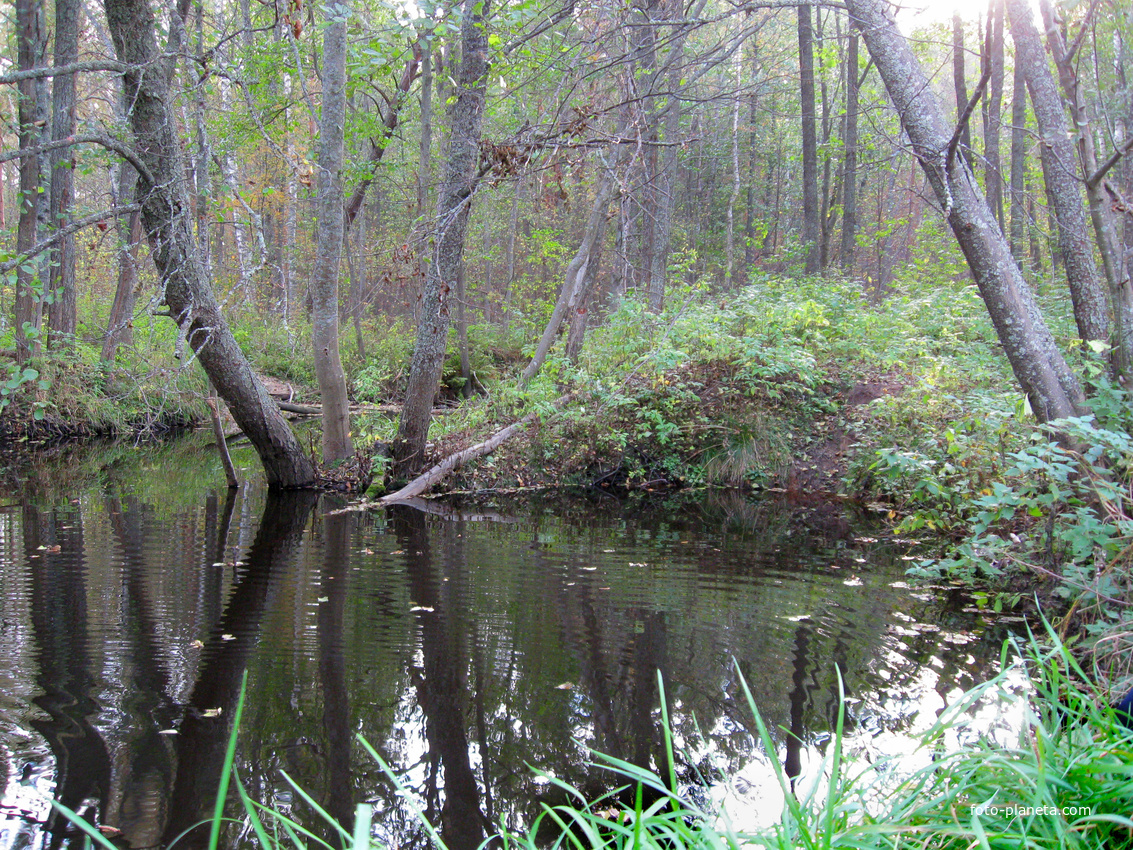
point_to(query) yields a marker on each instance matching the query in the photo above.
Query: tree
(810, 141)
(579, 273)
(1100, 204)
(1060, 175)
(337, 444)
(1039, 367)
(993, 56)
(466, 120)
(1018, 162)
(63, 309)
(31, 48)
(850, 168)
(185, 290)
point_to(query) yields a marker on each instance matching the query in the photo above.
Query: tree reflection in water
(466, 646)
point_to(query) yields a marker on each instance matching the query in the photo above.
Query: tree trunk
(664, 183)
(850, 168)
(571, 296)
(1060, 172)
(455, 201)
(1043, 374)
(1100, 205)
(960, 83)
(119, 328)
(462, 335)
(185, 289)
(994, 178)
(1018, 163)
(734, 196)
(337, 444)
(425, 161)
(810, 141)
(580, 314)
(359, 273)
(62, 313)
(32, 51)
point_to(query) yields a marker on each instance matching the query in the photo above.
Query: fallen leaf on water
(167, 732)
(110, 831)
(367, 551)
(197, 644)
(565, 686)
(228, 637)
(212, 712)
(324, 599)
(398, 552)
(421, 608)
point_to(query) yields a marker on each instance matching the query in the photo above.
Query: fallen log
(427, 479)
(317, 409)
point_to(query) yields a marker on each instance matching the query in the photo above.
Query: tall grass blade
(80, 822)
(226, 770)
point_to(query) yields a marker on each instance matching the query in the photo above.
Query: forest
(841, 250)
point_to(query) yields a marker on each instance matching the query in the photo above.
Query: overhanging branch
(74, 226)
(108, 142)
(63, 70)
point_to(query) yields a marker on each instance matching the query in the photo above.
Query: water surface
(472, 645)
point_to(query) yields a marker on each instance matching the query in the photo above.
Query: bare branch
(72, 68)
(968, 110)
(73, 227)
(1105, 167)
(108, 142)
(1073, 49)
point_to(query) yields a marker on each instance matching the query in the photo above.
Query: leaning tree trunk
(572, 295)
(1060, 171)
(454, 203)
(166, 217)
(1042, 372)
(337, 444)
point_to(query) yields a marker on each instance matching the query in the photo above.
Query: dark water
(468, 646)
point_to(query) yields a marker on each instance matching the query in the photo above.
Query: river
(480, 647)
